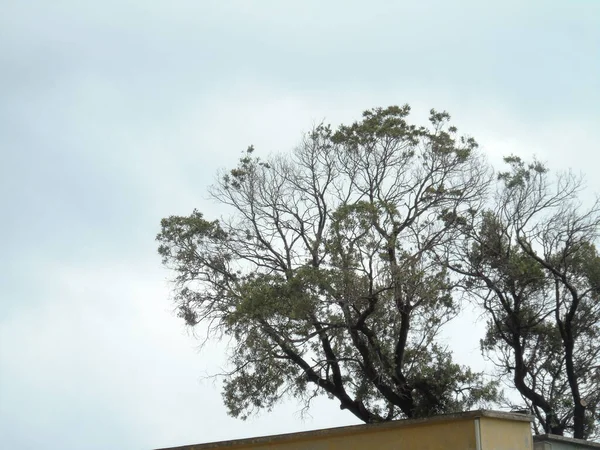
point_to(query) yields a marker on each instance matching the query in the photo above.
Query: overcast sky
(114, 114)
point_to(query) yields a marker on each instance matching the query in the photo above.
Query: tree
(324, 274)
(532, 262)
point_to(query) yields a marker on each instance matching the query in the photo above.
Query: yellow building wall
(497, 434)
(473, 430)
(459, 435)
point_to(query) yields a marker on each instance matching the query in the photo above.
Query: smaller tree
(531, 260)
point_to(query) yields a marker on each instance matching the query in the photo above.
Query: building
(473, 430)
(551, 442)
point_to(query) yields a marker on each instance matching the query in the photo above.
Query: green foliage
(520, 173)
(443, 378)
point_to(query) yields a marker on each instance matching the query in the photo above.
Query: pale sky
(114, 114)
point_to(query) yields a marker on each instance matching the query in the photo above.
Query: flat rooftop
(327, 433)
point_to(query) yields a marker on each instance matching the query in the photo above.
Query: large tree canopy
(334, 267)
(323, 271)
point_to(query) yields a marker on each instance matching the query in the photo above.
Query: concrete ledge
(356, 429)
(565, 441)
